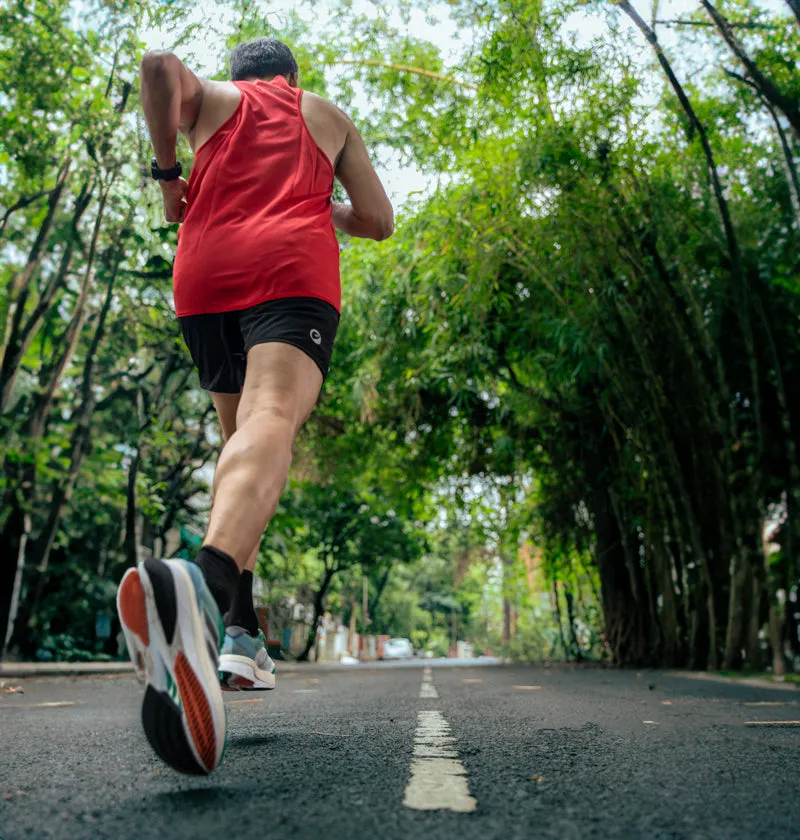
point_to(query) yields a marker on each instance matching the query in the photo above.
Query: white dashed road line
(427, 691)
(438, 778)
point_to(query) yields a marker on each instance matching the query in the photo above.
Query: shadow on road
(235, 742)
(189, 801)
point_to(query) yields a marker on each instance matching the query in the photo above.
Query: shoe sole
(238, 673)
(182, 713)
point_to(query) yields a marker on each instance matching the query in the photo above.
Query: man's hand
(174, 194)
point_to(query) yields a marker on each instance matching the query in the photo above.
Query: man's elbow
(158, 64)
(384, 225)
(384, 230)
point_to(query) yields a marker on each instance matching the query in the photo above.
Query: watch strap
(165, 174)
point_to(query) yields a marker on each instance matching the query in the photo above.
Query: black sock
(243, 611)
(221, 574)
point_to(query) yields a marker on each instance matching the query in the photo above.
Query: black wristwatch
(165, 174)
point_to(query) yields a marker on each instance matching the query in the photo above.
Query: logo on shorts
(316, 337)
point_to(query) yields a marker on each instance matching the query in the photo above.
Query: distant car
(397, 649)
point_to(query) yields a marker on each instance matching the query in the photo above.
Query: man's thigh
(289, 343)
(281, 381)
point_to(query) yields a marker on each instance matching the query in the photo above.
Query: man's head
(263, 58)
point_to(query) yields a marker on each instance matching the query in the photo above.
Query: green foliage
(573, 306)
(578, 351)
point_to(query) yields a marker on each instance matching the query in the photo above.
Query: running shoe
(172, 626)
(244, 664)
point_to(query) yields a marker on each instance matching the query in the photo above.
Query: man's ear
(293, 79)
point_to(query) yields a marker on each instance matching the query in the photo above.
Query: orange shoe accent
(198, 712)
(132, 607)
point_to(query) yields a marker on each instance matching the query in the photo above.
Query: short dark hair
(261, 58)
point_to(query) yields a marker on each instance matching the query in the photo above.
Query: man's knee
(272, 417)
(256, 447)
(268, 413)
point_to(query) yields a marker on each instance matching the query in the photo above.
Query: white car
(397, 649)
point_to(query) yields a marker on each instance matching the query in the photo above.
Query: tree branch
(768, 89)
(20, 204)
(160, 274)
(792, 175)
(768, 27)
(407, 68)
(695, 125)
(794, 5)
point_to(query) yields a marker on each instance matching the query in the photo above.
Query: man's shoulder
(219, 95)
(213, 87)
(323, 107)
(219, 101)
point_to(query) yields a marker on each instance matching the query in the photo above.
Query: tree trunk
(777, 613)
(777, 621)
(753, 654)
(792, 176)
(21, 478)
(737, 622)
(178, 477)
(678, 568)
(19, 335)
(12, 545)
(20, 281)
(573, 633)
(662, 571)
(506, 621)
(506, 601)
(131, 541)
(147, 410)
(62, 493)
(624, 633)
(559, 622)
(79, 447)
(794, 5)
(769, 90)
(20, 204)
(373, 604)
(674, 646)
(51, 374)
(17, 500)
(675, 479)
(694, 125)
(319, 611)
(741, 288)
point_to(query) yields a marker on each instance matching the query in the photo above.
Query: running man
(257, 294)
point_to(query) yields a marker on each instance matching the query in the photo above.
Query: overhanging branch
(406, 68)
(20, 204)
(767, 27)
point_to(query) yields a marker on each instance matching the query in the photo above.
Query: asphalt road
(518, 752)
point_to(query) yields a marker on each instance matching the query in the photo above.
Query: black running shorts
(219, 343)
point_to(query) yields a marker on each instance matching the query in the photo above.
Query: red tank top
(258, 219)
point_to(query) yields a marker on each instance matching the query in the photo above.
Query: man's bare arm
(171, 99)
(370, 214)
